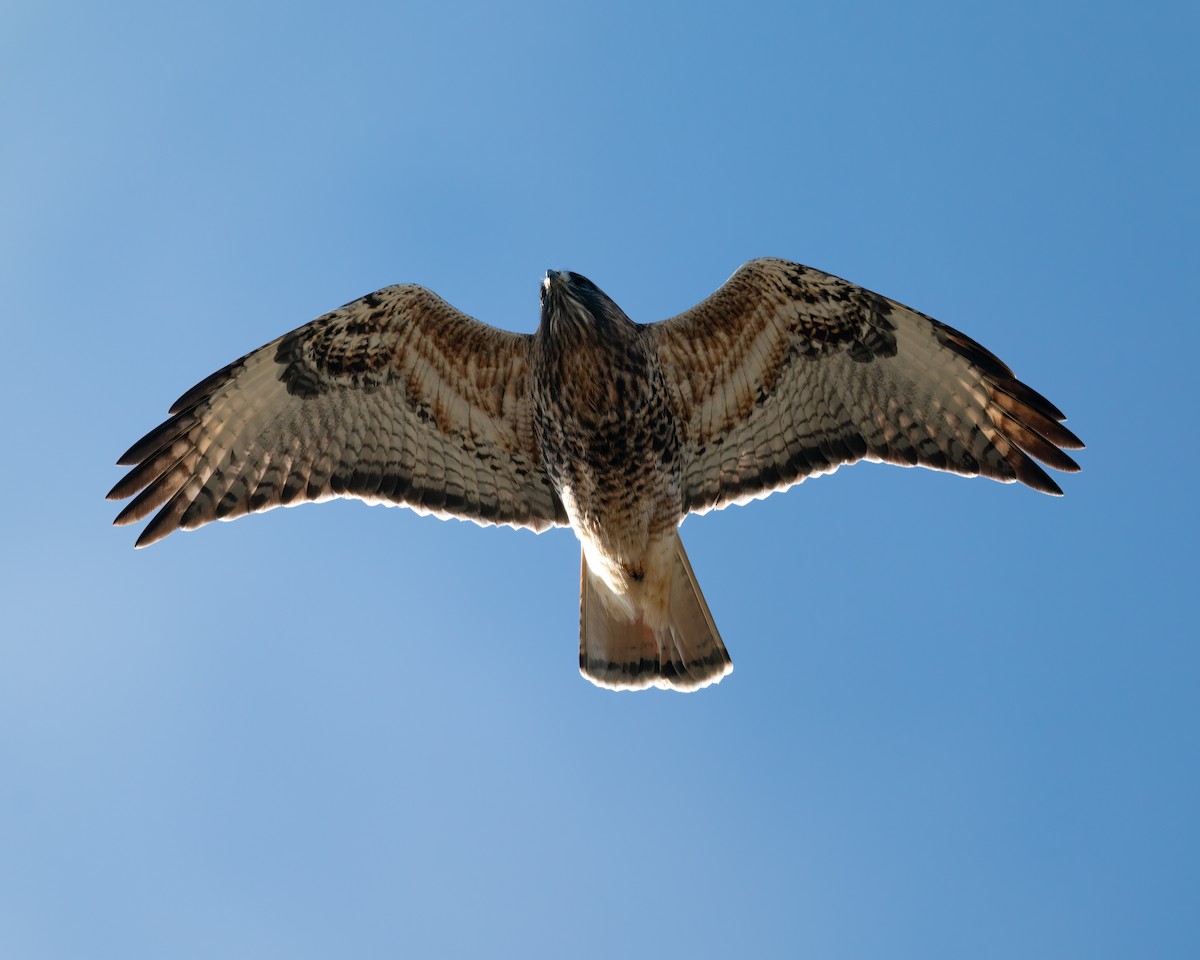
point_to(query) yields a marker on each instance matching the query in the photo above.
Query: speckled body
(606, 434)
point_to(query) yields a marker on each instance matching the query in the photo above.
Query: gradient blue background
(963, 721)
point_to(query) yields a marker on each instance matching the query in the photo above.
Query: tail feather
(623, 654)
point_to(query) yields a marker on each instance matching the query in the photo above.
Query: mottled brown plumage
(614, 428)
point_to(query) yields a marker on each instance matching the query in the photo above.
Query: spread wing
(787, 372)
(395, 398)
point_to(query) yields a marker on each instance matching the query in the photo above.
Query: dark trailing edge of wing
(1026, 419)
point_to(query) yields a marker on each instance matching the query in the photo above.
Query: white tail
(622, 654)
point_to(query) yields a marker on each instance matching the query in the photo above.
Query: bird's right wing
(395, 398)
(786, 372)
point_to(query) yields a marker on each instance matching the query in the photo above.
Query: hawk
(616, 429)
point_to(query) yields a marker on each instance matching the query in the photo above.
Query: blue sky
(963, 718)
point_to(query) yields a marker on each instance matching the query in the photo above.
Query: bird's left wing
(394, 398)
(787, 372)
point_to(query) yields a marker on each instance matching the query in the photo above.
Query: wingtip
(1072, 441)
(1043, 483)
(149, 536)
(123, 520)
(126, 516)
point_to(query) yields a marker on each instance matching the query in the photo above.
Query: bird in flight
(616, 429)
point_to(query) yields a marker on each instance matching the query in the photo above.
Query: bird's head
(571, 302)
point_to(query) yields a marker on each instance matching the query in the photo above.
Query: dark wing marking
(395, 398)
(787, 372)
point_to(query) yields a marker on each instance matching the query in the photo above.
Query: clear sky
(963, 720)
